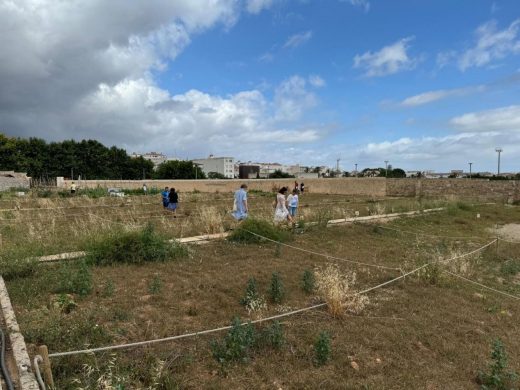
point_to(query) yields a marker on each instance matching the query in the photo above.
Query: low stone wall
(7, 183)
(375, 187)
(478, 189)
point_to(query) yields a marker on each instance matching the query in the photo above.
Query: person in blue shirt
(165, 197)
(240, 208)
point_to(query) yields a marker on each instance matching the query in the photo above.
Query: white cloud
(292, 99)
(389, 60)
(316, 81)
(297, 39)
(365, 4)
(504, 119)
(432, 96)
(491, 45)
(257, 6)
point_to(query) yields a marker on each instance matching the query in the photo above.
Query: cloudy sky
(430, 84)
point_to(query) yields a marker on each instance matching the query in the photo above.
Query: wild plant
(277, 290)
(252, 300)
(497, 377)
(322, 349)
(236, 345)
(308, 281)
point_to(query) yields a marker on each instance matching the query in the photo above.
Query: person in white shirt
(292, 203)
(281, 213)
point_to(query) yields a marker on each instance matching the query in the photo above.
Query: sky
(423, 84)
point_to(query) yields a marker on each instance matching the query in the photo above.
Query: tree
(278, 174)
(397, 172)
(179, 170)
(216, 175)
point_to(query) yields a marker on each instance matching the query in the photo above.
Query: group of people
(170, 200)
(285, 207)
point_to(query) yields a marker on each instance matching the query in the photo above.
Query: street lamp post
(386, 168)
(470, 164)
(498, 150)
(356, 168)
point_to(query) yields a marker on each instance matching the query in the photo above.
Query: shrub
(510, 267)
(336, 289)
(322, 349)
(155, 286)
(272, 336)
(262, 228)
(309, 281)
(252, 300)
(236, 345)
(277, 290)
(497, 378)
(108, 289)
(133, 247)
(19, 262)
(75, 279)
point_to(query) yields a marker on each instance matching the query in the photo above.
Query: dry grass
(337, 290)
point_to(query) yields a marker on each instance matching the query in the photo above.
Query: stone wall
(477, 189)
(11, 179)
(345, 186)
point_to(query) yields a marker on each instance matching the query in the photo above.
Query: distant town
(230, 168)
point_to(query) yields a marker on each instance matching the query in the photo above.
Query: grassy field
(427, 331)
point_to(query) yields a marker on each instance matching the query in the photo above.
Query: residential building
(155, 157)
(223, 165)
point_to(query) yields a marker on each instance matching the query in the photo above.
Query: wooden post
(46, 366)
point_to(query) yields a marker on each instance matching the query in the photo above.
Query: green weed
(262, 228)
(74, 279)
(322, 349)
(497, 378)
(277, 290)
(133, 247)
(155, 285)
(236, 345)
(308, 281)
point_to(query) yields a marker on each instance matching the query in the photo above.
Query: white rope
(323, 254)
(290, 313)
(508, 241)
(41, 383)
(419, 233)
(482, 285)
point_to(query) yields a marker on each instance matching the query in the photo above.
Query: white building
(155, 157)
(223, 165)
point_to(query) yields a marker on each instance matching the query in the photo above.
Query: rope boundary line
(482, 285)
(208, 331)
(322, 254)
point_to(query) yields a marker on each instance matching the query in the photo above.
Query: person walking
(240, 208)
(302, 187)
(292, 203)
(281, 214)
(145, 189)
(165, 197)
(173, 200)
(73, 188)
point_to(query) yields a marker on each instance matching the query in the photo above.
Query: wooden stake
(43, 351)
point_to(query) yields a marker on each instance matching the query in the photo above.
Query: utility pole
(356, 168)
(386, 168)
(470, 164)
(337, 165)
(498, 150)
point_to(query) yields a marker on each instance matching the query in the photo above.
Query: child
(173, 198)
(292, 203)
(165, 197)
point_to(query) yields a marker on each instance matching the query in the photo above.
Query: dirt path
(511, 231)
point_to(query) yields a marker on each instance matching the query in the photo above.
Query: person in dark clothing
(302, 187)
(173, 198)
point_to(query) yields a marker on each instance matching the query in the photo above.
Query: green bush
(236, 345)
(133, 247)
(309, 281)
(322, 349)
(277, 290)
(272, 336)
(262, 228)
(510, 267)
(497, 378)
(18, 262)
(155, 286)
(74, 278)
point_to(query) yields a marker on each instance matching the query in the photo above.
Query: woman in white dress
(281, 214)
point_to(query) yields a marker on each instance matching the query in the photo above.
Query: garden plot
(428, 330)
